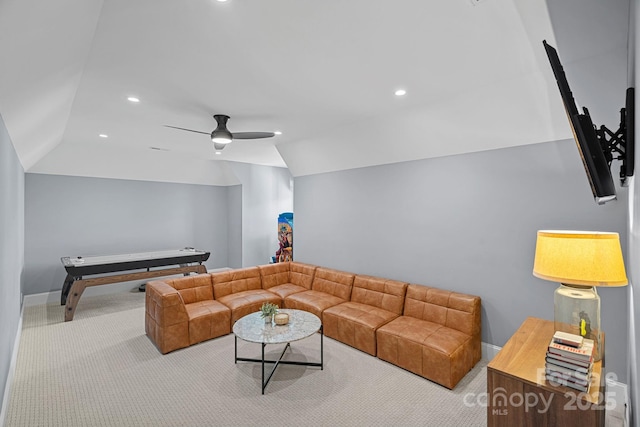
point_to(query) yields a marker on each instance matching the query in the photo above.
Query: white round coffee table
(252, 328)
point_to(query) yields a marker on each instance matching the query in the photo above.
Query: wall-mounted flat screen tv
(584, 132)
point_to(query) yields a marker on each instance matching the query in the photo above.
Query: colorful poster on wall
(285, 237)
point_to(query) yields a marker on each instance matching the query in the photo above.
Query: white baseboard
(617, 401)
(12, 370)
(489, 351)
(54, 296)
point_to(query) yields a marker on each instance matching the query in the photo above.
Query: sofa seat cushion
(312, 301)
(286, 289)
(355, 324)
(247, 302)
(438, 353)
(207, 320)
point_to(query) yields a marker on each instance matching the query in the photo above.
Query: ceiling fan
(221, 135)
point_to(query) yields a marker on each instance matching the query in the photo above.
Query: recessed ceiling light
(278, 132)
(133, 99)
(103, 135)
(401, 92)
(222, 1)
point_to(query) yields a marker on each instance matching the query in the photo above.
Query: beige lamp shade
(587, 258)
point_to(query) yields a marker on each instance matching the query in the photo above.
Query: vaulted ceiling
(323, 73)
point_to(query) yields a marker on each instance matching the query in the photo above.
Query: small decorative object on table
(268, 310)
(281, 318)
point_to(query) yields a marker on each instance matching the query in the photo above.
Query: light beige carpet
(102, 370)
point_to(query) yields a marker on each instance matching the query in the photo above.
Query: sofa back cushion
(274, 274)
(382, 293)
(193, 288)
(301, 274)
(234, 281)
(333, 282)
(451, 309)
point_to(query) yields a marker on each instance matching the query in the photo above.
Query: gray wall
(266, 192)
(234, 215)
(77, 216)
(465, 223)
(633, 380)
(11, 253)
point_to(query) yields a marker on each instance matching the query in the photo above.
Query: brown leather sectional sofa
(430, 332)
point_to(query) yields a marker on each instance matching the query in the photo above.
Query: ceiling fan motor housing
(221, 135)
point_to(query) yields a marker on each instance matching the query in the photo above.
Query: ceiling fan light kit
(221, 135)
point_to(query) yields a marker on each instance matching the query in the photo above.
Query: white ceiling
(322, 72)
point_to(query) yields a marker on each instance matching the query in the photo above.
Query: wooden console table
(519, 395)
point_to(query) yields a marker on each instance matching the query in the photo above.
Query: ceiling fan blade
(252, 135)
(189, 130)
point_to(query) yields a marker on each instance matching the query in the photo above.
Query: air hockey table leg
(66, 286)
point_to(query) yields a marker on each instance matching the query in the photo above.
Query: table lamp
(579, 261)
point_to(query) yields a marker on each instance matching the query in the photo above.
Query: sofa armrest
(464, 314)
(166, 319)
(163, 294)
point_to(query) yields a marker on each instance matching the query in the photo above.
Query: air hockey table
(123, 268)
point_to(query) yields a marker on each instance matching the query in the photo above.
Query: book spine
(569, 365)
(567, 377)
(582, 352)
(567, 371)
(567, 338)
(570, 357)
(585, 363)
(564, 342)
(568, 384)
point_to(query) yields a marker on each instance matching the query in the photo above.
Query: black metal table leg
(250, 328)
(321, 348)
(277, 362)
(263, 384)
(66, 286)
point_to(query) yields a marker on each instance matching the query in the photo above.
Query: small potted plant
(267, 311)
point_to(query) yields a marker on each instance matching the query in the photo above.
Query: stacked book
(569, 361)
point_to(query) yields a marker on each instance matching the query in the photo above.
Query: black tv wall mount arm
(619, 145)
(614, 145)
